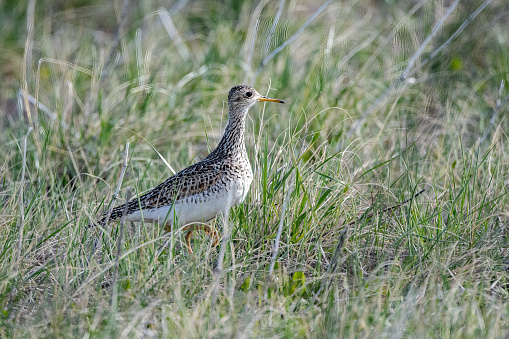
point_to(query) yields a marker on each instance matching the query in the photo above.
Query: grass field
(383, 99)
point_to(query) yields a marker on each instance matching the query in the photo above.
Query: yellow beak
(270, 99)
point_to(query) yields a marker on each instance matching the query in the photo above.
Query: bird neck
(232, 142)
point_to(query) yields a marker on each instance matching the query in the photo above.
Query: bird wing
(190, 181)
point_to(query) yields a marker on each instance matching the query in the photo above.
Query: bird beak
(270, 99)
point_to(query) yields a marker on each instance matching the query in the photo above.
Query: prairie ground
(383, 99)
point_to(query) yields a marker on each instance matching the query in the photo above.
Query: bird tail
(113, 215)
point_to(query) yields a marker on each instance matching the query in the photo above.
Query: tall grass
(380, 103)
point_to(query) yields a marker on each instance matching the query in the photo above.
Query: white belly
(196, 208)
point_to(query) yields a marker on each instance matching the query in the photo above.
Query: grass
(350, 141)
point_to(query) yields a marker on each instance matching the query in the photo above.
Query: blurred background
(186, 53)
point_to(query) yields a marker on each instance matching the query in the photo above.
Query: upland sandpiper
(201, 191)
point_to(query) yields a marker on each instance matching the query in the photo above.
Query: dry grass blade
(275, 248)
(403, 77)
(174, 34)
(114, 294)
(272, 54)
(21, 226)
(326, 283)
(116, 42)
(119, 183)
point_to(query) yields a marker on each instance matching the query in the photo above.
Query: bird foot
(209, 230)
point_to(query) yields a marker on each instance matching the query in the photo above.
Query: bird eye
(249, 94)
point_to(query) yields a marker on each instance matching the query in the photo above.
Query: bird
(200, 192)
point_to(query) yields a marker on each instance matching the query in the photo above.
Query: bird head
(242, 97)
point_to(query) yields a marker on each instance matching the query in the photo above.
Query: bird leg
(211, 232)
(188, 242)
(208, 229)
